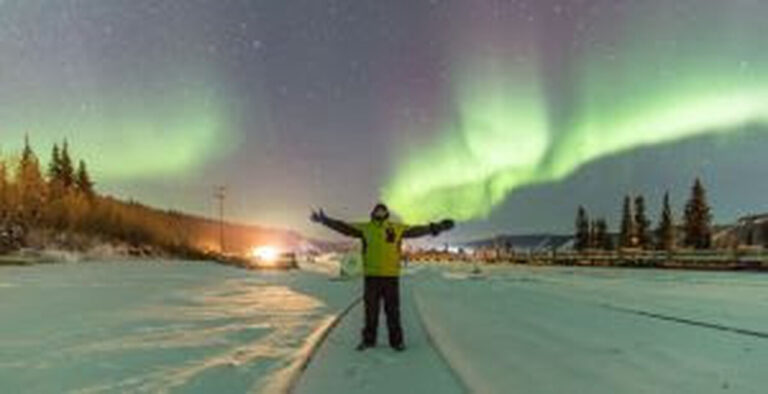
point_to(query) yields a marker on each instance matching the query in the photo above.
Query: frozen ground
(204, 328)
(338, 368)
(155, 327)
(561, 330)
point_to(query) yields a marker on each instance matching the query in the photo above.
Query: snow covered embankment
(285, 380)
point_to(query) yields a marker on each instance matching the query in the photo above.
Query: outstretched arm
(428, 229)
(336, 225)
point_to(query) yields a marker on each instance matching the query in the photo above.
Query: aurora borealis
(141, 142)
(128, 109)
(688, 75)
(503, 114)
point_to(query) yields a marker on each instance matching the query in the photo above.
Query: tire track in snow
(690, 322)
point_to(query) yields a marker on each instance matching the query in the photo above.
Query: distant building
(523, 244)
(753, 230)
(749, 231)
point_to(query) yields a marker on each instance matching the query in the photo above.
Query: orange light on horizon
(265, 253)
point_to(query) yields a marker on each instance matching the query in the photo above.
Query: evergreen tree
(698, 219)
(627, 238)
(55, 182)
(30, 184)
(582, 230)
(603, 240)
(3, 188)
(665, 233)
(27, 153)
(83, 180)
(54, 167)
(642, 224)
(67, 170)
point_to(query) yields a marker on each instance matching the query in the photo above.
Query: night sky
(503, 114)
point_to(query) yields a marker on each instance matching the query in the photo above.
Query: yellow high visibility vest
(381, 247)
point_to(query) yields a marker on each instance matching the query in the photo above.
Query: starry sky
(505, 115)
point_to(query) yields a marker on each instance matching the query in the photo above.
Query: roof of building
(754, 218)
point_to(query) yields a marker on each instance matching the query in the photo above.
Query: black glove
(318, 216)
(443, 225)
(447, 224)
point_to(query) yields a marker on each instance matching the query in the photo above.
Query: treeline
(61, 205)
(636, 231)
(62, 200)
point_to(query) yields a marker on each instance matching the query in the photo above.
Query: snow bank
(343, 266)
(285, 380)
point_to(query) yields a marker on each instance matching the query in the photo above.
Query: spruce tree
(83, 180)
(27, 154)
(698, 219)
(603, 240)
(642, 224)
(55, 182)
(665, 233)
(593, 234)
(67, 169)
(3, 189)
(30, 183)
(627, 234)
(54, 167)
(582, 230)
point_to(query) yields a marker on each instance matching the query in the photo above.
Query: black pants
(388, 290)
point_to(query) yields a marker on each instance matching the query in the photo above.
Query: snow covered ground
(202, 328)
(339, 368)
(562, 330)
(156, 327)
(556, 330)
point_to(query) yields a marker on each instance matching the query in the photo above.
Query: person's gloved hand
(439, 227)
(318, 216)
(447, 224)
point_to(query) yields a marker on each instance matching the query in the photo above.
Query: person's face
(380, 213)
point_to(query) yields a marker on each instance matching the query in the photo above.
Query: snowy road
(559, 330)
(338, 368)
(200, 328)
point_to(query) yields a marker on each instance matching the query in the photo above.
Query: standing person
(382, 241)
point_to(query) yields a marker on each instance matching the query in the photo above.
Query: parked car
(282, 261)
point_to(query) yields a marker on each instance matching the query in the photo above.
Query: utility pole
(221, 194)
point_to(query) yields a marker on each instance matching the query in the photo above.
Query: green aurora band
(136, 105)
(712, 78)
(135, 135)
